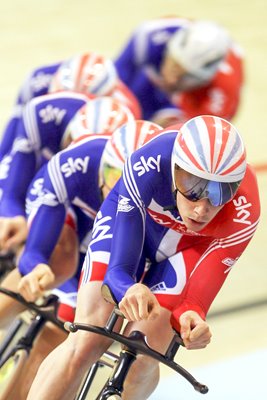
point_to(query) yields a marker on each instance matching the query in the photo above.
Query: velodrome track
(35, 33)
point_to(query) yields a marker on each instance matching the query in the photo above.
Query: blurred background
(34, 32)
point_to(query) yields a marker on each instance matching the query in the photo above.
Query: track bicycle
(14, 357)
(19, 339)
(133, 345)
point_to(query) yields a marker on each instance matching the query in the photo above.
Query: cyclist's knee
(85, 348)
(143, 368)
(142, 378)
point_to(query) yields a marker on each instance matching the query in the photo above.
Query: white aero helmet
(208, 159)
(199, 48)
(122, 143)
(101, 115)
(88, 73)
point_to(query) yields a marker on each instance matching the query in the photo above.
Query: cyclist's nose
(202, 207)
(172, 78)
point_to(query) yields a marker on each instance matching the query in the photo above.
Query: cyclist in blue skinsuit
(89, 73)
(43, 131)
(73, 178)
(61, 205)
(179, 68)
(163, 243)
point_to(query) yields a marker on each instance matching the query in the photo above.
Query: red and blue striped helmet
(126, 139)
(211, 148)
(101, 115)
(89, 73)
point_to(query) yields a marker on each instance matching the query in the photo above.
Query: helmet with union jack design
(88, 73)
(122, 143)
(208, 159)
(126, 139)
(101, 115)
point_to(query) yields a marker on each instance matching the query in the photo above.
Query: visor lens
(110, 175)
(194, 188)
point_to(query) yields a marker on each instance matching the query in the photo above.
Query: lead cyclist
(179, 206)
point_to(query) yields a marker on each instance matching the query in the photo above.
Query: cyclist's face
(171, 73)
(109, 178)
(196, 214)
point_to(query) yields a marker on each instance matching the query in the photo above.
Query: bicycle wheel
(10, 372)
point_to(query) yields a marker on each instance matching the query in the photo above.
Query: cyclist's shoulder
(241, 215)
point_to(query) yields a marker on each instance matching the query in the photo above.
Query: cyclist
(180, 68)
(188, 203)
(62, 203)
(43, 131)
(65, 194)
(89, 73)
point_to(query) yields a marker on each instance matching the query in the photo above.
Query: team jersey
(187, 268)
(37, 84)
(70, 179)
(39, 136)
(139, 63)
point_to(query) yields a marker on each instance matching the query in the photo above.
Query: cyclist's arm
(42, 237)
(235, 234)
(16, 170)
(210, 274)
(125, 254)
(47, 221)
(128, 233)
(61, 185)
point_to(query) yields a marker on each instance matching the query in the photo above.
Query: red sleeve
(237, 222)
(221, 97)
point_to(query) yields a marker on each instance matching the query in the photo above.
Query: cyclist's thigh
(91, 307)
(158, 332)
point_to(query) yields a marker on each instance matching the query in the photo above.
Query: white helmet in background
(101, 115)
(199, 48)
(88, 73)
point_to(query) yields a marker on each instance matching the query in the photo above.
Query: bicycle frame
(135, 343)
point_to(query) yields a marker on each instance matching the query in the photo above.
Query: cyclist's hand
(139, 303)
(33, 285)
(13, 232)
(195, 332)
